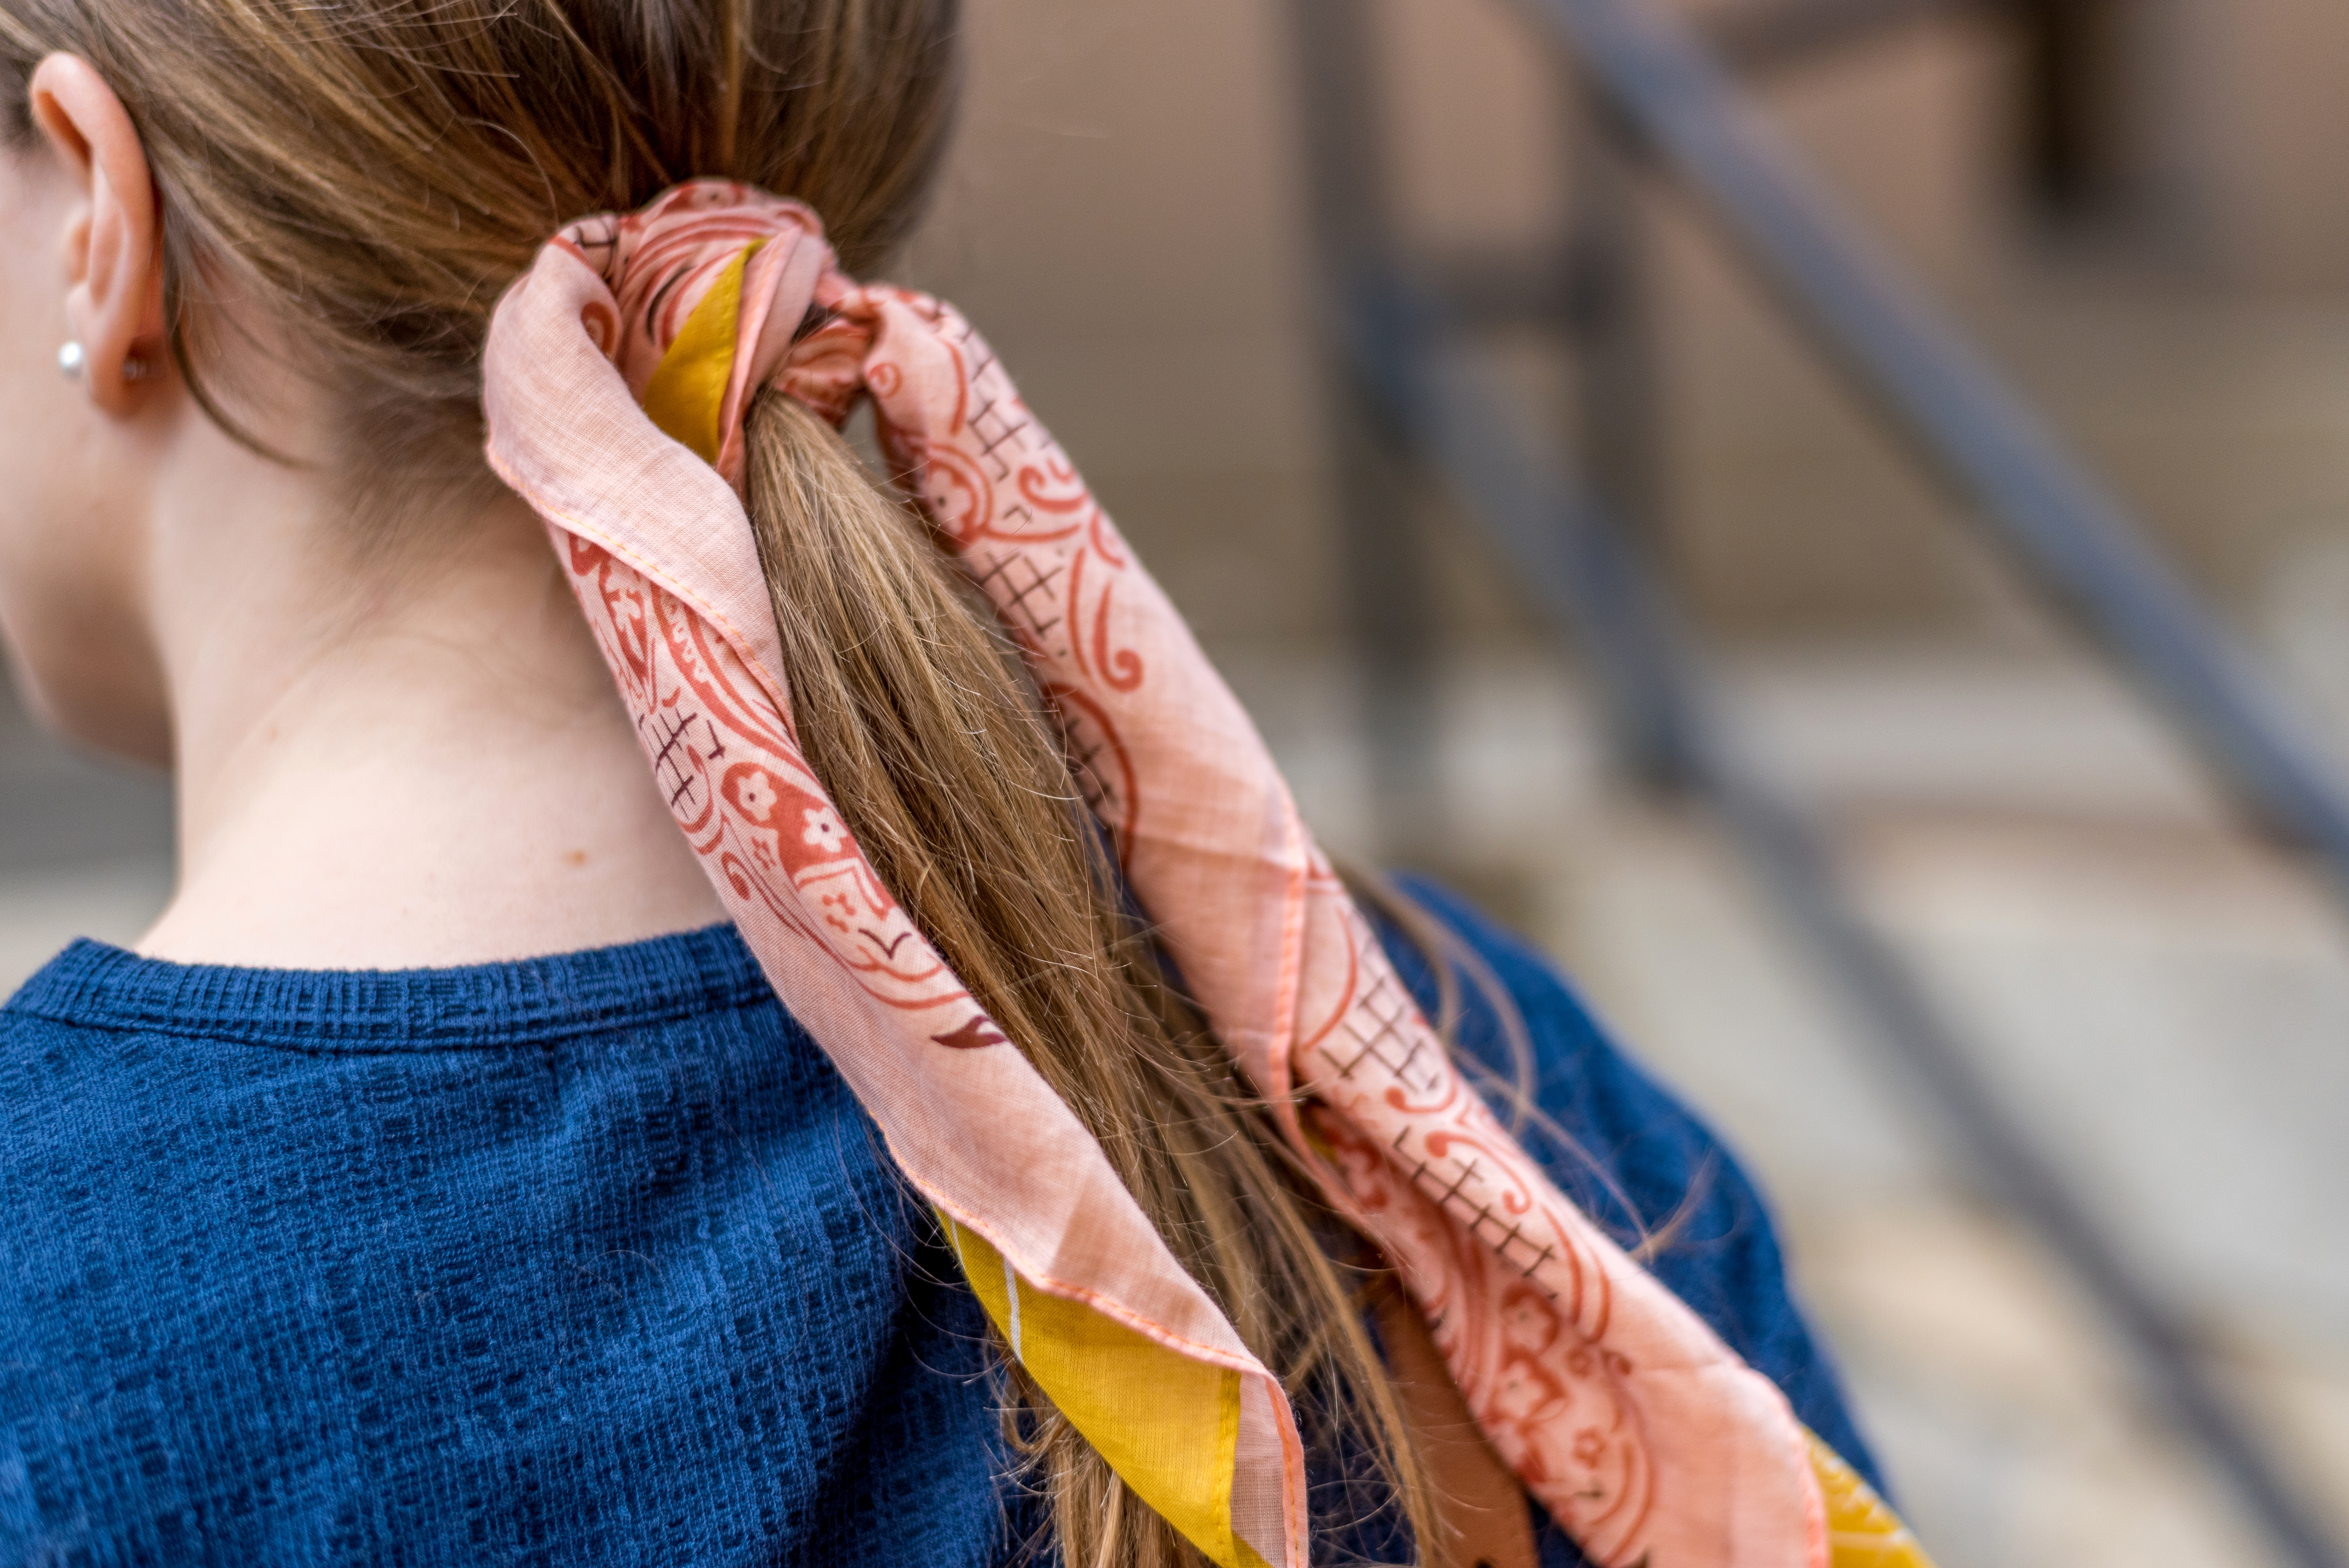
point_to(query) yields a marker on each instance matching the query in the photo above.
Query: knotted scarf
(617, 376)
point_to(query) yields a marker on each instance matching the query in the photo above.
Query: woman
(444, 1179)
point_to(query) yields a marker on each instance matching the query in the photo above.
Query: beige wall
(1122, 217)
(2242, 110)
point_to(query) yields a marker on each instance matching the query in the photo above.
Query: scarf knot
(717, 290)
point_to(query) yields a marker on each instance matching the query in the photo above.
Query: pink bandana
(616, 375)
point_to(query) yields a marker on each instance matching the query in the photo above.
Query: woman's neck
(434, 770)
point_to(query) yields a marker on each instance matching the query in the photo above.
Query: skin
(380, 763)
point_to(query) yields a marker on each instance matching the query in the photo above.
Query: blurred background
(2133, 209)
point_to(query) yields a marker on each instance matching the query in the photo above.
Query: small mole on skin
(575, 857)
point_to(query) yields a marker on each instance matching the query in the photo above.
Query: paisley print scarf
(617, 376)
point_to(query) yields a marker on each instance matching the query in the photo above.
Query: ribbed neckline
(473, 1007)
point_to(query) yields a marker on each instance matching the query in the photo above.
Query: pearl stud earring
(72, 360)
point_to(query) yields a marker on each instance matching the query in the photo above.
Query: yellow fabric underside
(687, 388)
(1862, 1530)
(1167, 1425)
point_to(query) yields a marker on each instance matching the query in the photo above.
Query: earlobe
(113, 252)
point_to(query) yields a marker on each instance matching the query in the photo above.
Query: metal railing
(1657, 97)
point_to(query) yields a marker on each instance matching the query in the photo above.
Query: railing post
(1612, 329)
(1384, 559)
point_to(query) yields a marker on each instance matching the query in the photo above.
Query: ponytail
(916, 712)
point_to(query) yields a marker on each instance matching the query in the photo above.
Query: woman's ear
(113, 241)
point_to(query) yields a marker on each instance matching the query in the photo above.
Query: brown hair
(380, 171)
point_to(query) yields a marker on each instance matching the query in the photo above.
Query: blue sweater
(580, 1259)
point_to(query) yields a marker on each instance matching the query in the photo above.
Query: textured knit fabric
(579, 1260)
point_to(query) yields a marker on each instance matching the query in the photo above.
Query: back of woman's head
(354, 182)
(367, 176)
